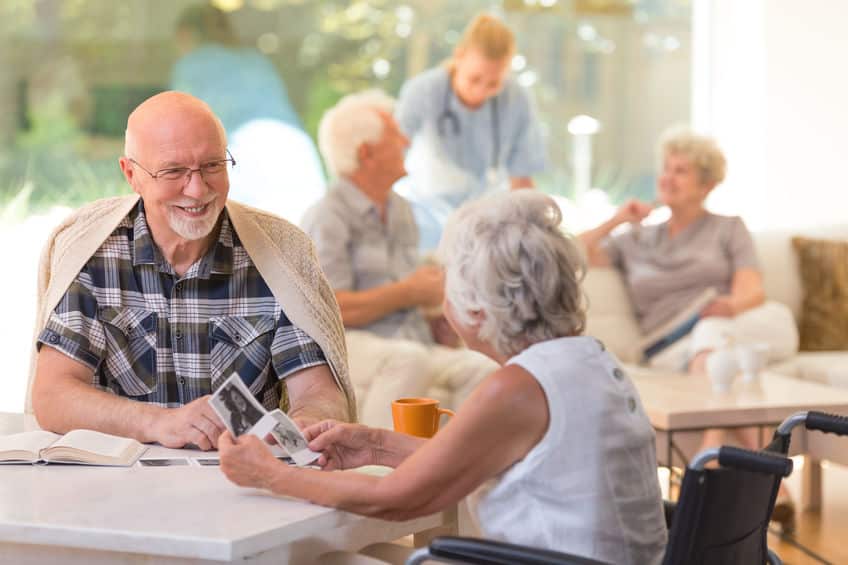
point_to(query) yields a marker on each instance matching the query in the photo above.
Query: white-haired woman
(473, 128)
(667, 266)
(558, 430)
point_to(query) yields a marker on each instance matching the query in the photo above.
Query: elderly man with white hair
(367, 242)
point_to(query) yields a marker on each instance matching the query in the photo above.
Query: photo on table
(176, 462)
(236, 406)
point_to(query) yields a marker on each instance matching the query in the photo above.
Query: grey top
(663, 274)
(358, 251)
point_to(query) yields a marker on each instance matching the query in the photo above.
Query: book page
(26, 445)
(95, 442)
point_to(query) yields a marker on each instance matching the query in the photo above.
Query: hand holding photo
(288, 435)
(236, 406)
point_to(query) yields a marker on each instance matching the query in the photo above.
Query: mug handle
(444, 411)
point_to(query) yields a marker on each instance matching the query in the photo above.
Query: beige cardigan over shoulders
(282, 253)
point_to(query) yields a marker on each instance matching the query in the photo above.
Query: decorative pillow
(824, 275)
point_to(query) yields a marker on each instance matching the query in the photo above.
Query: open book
(84, 447)
(677, 327)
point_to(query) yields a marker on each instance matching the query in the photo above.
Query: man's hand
(343, 446)
(246, 461)
(195, 423)
(633, 211)
(721, 307)
(427, 285)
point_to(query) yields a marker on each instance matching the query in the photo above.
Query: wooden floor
(824, 533)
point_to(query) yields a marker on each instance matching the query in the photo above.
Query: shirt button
(178, 334)
(181, 380)
(618, 373)
(631, 404)
(237, 337)
(178, 288)
(53, 338)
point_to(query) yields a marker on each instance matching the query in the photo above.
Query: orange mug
(417, 416)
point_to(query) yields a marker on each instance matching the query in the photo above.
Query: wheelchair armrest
(758, 461)
(473, 550)
(827, 423)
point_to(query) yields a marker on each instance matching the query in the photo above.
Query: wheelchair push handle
(758, 461)
(827, 423)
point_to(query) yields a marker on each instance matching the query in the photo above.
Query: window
(72, 71)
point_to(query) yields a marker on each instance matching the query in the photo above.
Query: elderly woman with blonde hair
(668, 266)
(557, 433)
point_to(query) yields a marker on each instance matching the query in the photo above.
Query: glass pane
(72, 70)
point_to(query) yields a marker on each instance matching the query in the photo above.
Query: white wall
(768, 82)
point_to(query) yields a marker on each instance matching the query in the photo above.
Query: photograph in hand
(288, 435)
(236, 406)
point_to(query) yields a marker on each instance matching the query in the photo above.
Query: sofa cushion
(823, 266)
(610, 316)
(825, 367)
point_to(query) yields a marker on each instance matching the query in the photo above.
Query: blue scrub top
(447, 168)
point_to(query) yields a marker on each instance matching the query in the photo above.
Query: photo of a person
(243, 415)
(289, 439)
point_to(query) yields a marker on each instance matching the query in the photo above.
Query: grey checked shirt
(153, 336)
(357, 251)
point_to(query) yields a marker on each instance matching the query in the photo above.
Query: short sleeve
(412, 104)
(528, 154)
(331, 236)
(293, 350)
(740, 247)
(73, 327)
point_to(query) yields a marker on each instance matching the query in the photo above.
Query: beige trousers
(383, 370)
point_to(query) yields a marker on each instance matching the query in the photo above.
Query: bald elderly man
(149, 302)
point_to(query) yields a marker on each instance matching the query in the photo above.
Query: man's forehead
(174, 122)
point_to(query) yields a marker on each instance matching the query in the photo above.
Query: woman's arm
(746, 292)
(498, 425)
(630, 211)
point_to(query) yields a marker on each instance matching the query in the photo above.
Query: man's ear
(129, 172)
(363, 153)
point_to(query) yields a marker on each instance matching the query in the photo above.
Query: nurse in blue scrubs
(472, 127)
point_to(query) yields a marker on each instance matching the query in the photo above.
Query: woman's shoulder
(727, 222)
(424, 84)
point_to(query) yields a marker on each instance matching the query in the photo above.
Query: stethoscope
(449, 118)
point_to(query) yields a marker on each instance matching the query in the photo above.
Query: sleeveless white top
(590, 486)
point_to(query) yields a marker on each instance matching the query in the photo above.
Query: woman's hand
(246, 461)
(344, 446)
(721, 307)
(633, 211)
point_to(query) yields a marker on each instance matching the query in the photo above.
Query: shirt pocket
(130, 358)
(240, 344)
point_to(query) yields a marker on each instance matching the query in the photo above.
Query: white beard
(192, 229)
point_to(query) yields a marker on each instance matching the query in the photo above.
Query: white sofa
(611, 319)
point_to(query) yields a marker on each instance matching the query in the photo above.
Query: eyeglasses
(173, 175)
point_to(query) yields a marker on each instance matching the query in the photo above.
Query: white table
(170, 515)
(678, 403)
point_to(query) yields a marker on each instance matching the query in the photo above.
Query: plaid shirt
(155, 337)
